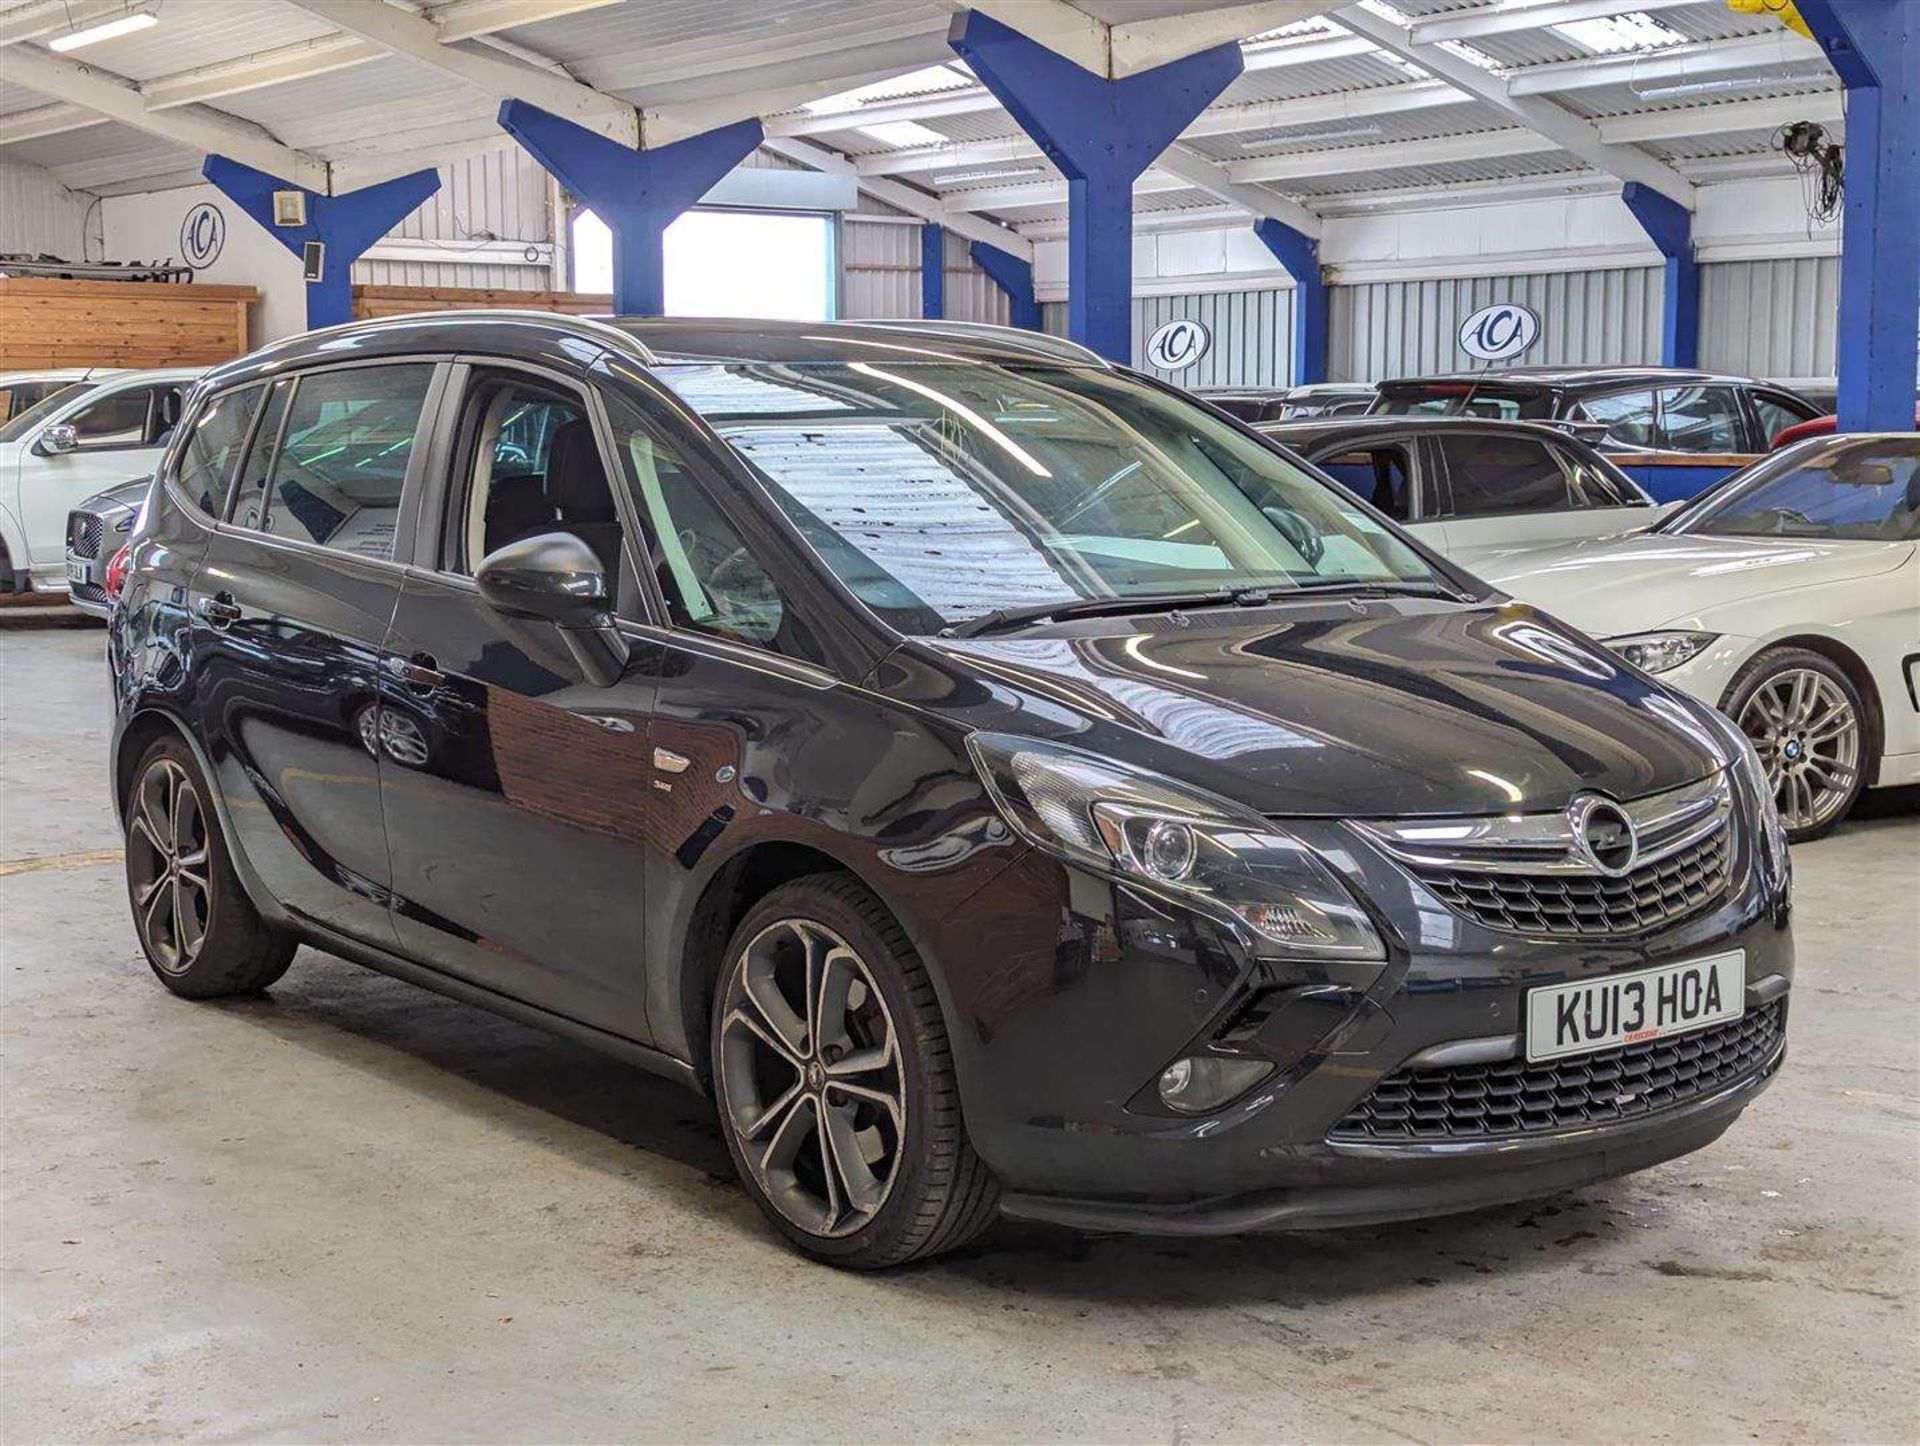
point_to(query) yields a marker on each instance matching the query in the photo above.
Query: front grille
(88, 592)
(84, 531)
(1649, 897)
(1488, 1101)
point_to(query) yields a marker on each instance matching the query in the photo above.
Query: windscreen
(943, 491)
(1865, 489)
(1464, 398)
(34, 415)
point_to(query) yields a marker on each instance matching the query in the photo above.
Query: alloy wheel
(167, 865)
(812, 1080)
(1807, 734)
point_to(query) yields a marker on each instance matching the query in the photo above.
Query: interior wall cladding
(503, 192)
(40, 216)
(1778, 318)
(880, 274)
(1251, 331)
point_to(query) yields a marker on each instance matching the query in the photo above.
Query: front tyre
(835, 1082)
(196, 925)
(1806, 720)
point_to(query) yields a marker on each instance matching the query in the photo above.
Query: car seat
(577, 484)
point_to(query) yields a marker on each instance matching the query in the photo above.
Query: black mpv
(1006, 784)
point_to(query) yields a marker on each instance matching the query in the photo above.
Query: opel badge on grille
(1603, 835)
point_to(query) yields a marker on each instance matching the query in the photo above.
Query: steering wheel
(1788, 514)
(1300, 533)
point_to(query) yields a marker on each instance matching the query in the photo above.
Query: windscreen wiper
(1092, 607)
(1382, 587)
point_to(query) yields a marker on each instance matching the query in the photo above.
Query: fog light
(1203, 1082)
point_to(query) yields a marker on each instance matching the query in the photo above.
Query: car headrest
(576, 478)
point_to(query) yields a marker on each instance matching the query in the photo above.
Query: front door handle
(417, 672)
(220, 610)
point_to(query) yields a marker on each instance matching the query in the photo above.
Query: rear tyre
(1807, 722)
(835, 1082)
(196, 925)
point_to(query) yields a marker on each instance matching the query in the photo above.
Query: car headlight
(1165, 838)
(1657, 652)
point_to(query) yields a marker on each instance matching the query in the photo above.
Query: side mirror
(557, 578)
(60, 437)
(1592, 433)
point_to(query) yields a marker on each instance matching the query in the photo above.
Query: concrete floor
(356, 1211)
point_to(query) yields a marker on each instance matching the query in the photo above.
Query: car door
(1389, 474)
(291, 607)
(1704, 419)
(117, 435)
(1505, 490)
(517, 793)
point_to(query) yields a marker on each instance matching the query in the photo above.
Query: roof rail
(593, 326)
(1040, 342)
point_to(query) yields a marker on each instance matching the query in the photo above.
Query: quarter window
(344, 446)
(1701, 419)
(207, 459)
(1491, 475)
(1382, 475)
(1628, 417)
(1775, 416)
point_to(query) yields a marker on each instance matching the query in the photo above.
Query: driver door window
(118, 421)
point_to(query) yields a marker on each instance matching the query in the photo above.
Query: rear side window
(206, 461)
(1627, 416)
(333, 477)
(1776, 414)
(1701, 419)
(1381, 475)
(1491, 475)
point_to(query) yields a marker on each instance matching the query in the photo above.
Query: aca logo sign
(202, 235)
(1494, 333)
(1177, 345)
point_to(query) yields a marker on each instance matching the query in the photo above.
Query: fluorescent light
(1611, 34)
(1324, 133)
(1003, 173)
(1724, 84)
(105, 30)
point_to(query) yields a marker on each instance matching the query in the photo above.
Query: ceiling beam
(1393, 156)
(302, 60)
(1016, 194)
(203, 131)
(51, 17)
(1126, 48)
(1677, 63)
(1738, 115)
(1530, 15)
(903, 197)
(1204, 174)
(46, 120)
(473, 19)
(1570, 132)
(419, 39)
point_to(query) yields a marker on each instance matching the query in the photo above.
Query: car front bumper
(86, 583)
(1060, 1035)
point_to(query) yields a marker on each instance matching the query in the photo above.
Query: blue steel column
(347, 224)
(637, 193)
(1669, 225)
(1874, 45)
(1101, 134)
(1013, 276)
(1300, 254)
(933, 271)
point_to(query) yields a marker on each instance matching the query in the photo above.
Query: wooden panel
(404, 300)
(49, 323)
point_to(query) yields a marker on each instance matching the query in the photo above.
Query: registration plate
(1565, 1019)
(76, 572)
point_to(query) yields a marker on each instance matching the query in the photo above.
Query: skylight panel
(904, 133)
(914, 82)
(1613, 34)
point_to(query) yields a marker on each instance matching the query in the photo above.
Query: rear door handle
(417, 672)
(220, 609)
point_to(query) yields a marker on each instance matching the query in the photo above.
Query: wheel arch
(1848, 662)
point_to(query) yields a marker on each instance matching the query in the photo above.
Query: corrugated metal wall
(1405, 328)
(39, 216)
(503, 193)
(1778, 318)
(880, 271)
(1252, 335)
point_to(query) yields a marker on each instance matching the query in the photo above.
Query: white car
(76, 442)
(1788, 597)
(20, 390)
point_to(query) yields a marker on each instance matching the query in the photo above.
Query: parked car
(1820, 392)
(1276, 404)
(1004, 783)
(69, 447)
(1630, 409)
(1470, 489)
(1822, 427)
(21, 390)
(96, 530)
(1789, 597)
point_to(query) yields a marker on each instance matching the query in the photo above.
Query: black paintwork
(437, 788)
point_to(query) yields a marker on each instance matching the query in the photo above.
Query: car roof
(1313, 430)
(1574, 376)
(660, 341)
(58, 374)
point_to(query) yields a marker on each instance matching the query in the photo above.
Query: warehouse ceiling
(1376, 106)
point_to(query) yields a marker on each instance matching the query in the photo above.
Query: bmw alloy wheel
(1807, 733)
(814, 1088)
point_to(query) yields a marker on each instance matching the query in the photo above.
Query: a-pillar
(1012, 275)
(1669, 225)
(1874, 45)
(1299, 253)
(345, 225)
(637, 193)
(1101, 134)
